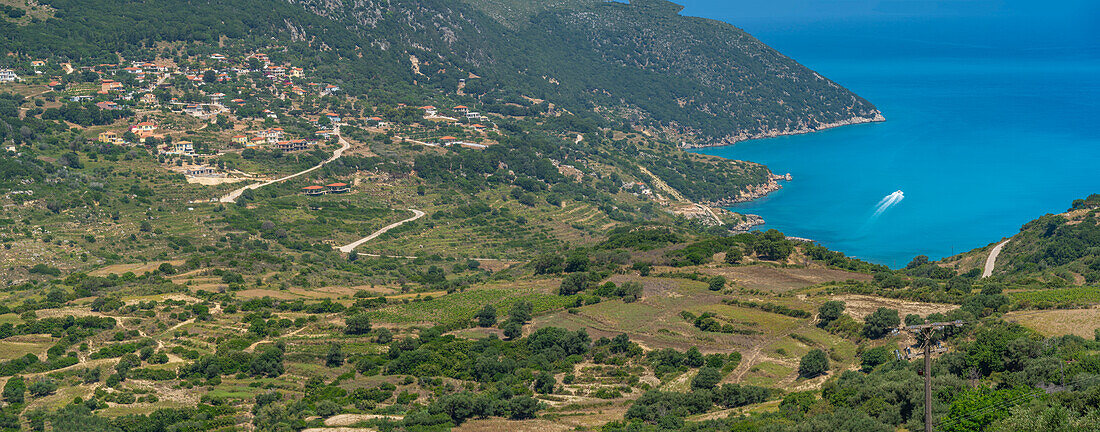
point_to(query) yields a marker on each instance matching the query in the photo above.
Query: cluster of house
(141, 70)
(273, 139)
(326, 189)
(141, 130)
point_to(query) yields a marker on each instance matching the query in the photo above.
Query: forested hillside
(701, 81)
(1059, 249)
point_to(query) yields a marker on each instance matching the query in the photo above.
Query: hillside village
(191, 115)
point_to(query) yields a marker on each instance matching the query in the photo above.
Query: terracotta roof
(336, 185)
(315, 187)
(461, 107)
(448, 138)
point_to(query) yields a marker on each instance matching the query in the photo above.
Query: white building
(8, 75)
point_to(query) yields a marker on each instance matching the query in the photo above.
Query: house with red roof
(337, 187)
(314, 190)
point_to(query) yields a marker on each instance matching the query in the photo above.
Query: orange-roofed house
(314, 190)
(149, 98)
(109, 85)
(338, 187)
(462, 109)
(448, 139)
(143, 127)
(239, 139)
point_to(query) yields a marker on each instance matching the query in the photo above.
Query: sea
(990, 124)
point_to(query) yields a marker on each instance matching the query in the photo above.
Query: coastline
(753, 192)
(757, 191)
(746, 136)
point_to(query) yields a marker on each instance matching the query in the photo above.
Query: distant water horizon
(981, 137)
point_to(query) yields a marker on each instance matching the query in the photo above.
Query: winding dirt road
(992, 260)
(232, 196)
(417, 214)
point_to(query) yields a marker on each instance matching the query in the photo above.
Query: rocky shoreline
(748, 224)
(745, 136)
(754, 191)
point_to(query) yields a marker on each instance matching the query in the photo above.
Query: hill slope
(1064, 246)
(703, 82)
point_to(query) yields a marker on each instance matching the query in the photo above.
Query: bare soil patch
(859, 306)
(765, 277)
(1080, 322)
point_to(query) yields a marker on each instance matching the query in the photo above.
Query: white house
(8, 75)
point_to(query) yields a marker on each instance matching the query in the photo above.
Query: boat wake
(888, 201)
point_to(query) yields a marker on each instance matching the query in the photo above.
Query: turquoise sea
(983, 134)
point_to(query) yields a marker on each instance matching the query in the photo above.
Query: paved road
(992, 260)
(232, 197)
(417, 214)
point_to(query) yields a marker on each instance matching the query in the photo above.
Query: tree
(773, 245)
(573, 283)
(335, 356)
(716, 283)
(512, 330)
(874, 357)
(544, 383)
(830, 311)
(358, 324)
(734, 255)
(813, 364)
(523, 407)
(14, 390)
(487, 316)
(913, 319)
(917, 261)
(576, 262)
(879, 323)
(269, 362)
(706, 379)
(547, 264)
(383, 335)
(693, 358)
(521, 312)
(42, 387)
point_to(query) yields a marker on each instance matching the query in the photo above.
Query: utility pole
(923, 333)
